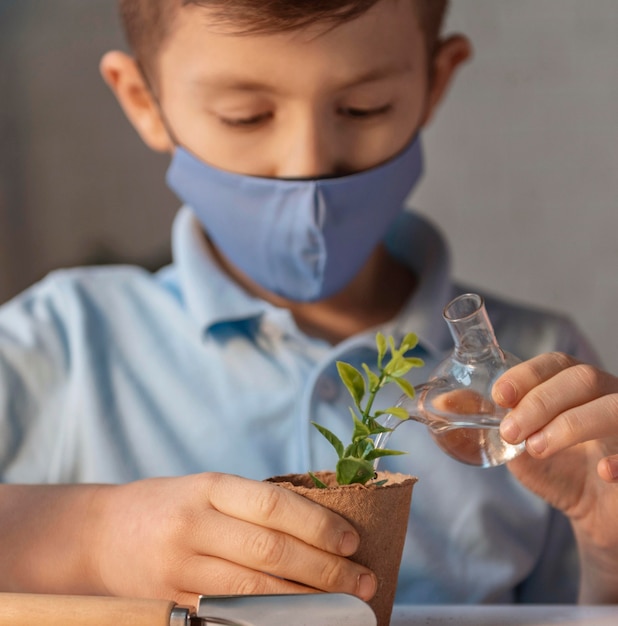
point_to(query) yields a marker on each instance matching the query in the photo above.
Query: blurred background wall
(76, 183)
(522, 158)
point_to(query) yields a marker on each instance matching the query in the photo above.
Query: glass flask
(455, 403)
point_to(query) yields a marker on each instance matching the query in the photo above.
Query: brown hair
(147, 23)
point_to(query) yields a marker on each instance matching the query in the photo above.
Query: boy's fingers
(575, 426)
(272, 552)
(212, 576)
(555, 397)
(560, 396)
(608, 469)
(274, 507)
(267, 529)
(514, 384)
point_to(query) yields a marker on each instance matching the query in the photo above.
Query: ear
(450, 54)
(121, 73)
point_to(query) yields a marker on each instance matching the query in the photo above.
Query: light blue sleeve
(33, 365)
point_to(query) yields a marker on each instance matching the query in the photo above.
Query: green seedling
(355, 461)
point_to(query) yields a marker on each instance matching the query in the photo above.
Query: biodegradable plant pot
(379, 514)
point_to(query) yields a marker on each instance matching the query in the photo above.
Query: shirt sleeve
(33, 363)
(574, 342)
(555, 578)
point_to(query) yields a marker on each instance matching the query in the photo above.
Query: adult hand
(220, 534)
(567, 412)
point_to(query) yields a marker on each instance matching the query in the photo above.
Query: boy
(294, 133)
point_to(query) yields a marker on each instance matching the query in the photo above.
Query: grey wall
(76, 183)
(522, 158)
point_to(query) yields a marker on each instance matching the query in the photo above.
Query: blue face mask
(303, 240)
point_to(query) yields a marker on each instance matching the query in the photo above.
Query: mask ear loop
(157, 103)
(430, 78)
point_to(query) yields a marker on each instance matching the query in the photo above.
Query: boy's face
(308, 103)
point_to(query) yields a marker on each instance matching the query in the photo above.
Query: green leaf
(409, 342)
(415, 362)
(377, 453)
(406, 387)
(317, 482)
(361, 431)
(391, 345)
(397, 411)
(381, 346)
(355, 459)
(375, 428)
(331, 438)
(358, 449)
(372, 377)
(353, 380)
(350, 471)
(379, 483)
(398, 366)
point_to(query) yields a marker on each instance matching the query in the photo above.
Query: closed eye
(360, 114)
(245, 122)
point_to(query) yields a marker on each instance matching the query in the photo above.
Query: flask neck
(469, 326)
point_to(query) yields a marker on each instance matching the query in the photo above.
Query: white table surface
(511, 615)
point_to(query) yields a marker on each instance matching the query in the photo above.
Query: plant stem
(372, 395)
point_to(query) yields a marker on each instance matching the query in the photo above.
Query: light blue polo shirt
(113, 374)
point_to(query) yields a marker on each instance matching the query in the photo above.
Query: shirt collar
(212, 298)
(419, 245)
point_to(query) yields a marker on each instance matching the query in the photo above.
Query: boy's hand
(568, 414)
(219, 534)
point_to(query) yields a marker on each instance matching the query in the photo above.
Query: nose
(311, 151)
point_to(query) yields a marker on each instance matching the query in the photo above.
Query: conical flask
(456, 403)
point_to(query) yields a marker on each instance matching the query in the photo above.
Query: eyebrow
(250, 86)
(378, 73)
